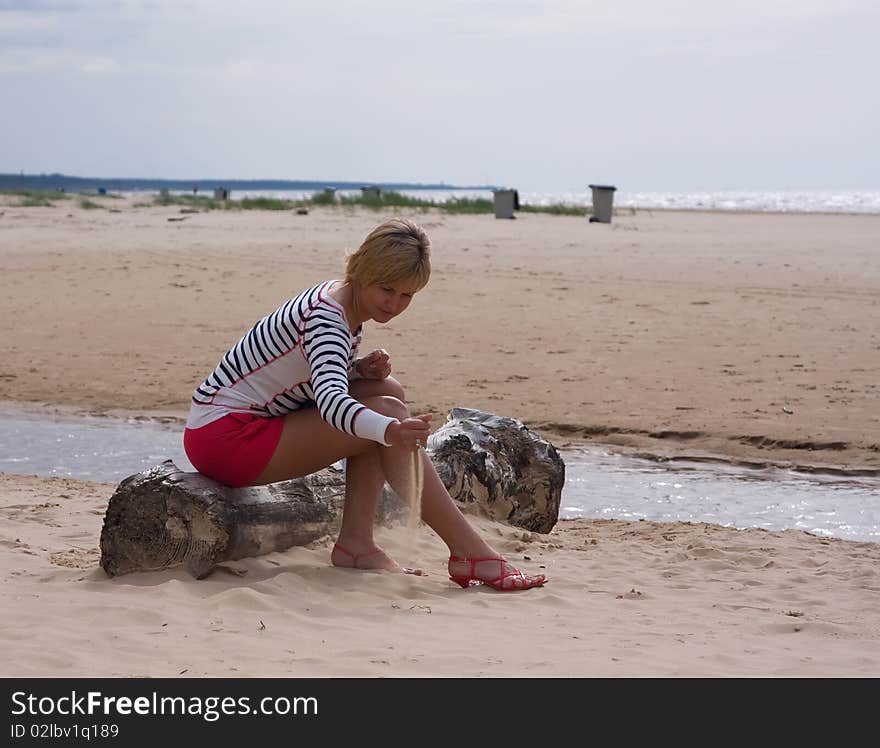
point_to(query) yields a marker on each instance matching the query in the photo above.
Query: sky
(540, 95)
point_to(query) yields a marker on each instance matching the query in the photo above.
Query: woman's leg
(309, 444)
(441, 513)
(364, 479)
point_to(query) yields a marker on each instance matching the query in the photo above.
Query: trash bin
(603, 200)
(221, 193)
(506, 201)
(370, 193)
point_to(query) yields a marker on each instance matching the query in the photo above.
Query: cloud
(640, 81)
(99, 65)
(18, 22)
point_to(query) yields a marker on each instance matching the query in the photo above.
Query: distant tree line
(64, 182)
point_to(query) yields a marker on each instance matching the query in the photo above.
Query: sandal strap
(355, 556)
(473, 568)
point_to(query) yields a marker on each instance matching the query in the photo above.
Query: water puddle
(104, 450)
(598, 483)
(604, 484)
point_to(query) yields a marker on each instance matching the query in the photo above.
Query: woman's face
(384, 301)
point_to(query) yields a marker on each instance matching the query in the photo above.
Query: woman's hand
(410, 433)
(375, 365)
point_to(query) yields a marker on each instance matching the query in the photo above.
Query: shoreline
(753, 212)
(413, 190)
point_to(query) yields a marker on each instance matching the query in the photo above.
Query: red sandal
(391, 567)
(506, 581)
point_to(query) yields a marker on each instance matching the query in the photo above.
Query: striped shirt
(300, 355)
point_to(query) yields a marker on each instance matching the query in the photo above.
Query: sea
(804, 201)
(862, 201)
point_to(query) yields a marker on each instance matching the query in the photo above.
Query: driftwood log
(499, 466)
(165, 517)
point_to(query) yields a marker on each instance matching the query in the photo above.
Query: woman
(291, 397)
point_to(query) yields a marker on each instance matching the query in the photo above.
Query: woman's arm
(327, 346)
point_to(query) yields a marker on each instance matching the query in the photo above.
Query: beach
(743, 337)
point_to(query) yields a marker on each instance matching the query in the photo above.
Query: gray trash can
(603, 200)
(221, 193)
(506, 201)
(370, 193)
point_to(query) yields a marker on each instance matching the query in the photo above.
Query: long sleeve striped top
(301, 354)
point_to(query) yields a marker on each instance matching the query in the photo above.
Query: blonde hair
(395, 250)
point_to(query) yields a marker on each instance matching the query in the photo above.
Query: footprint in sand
(76, 558)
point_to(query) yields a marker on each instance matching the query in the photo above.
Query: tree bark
(500, 467)
(165, 517)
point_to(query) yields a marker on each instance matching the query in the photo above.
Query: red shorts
(234, 449)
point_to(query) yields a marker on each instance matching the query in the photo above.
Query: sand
(742, 337)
